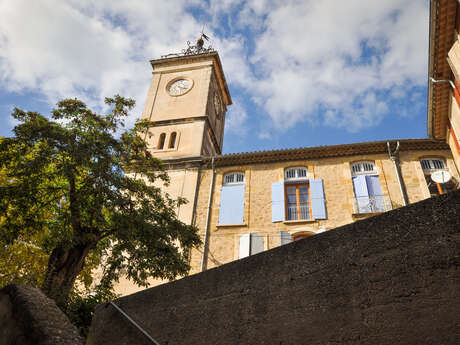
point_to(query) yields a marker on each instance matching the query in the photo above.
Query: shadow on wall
(389, 279)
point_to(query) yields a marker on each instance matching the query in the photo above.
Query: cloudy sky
(301, 73)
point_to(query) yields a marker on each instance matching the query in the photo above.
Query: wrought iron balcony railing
(298, 212)
(371, 204)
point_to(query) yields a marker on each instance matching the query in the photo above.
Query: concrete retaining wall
(391, 279)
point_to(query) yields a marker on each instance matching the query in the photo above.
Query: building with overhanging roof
(245, 203)
(443, 119)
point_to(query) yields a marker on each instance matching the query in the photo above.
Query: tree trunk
(64, 265)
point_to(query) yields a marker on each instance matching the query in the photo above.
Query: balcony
(298, 212)
(371, 204)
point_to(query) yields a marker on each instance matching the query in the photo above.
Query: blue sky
(301, 73)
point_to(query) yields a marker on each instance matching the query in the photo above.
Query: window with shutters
(231, 210)
(433, 165)
(298, 200)
(366, 185)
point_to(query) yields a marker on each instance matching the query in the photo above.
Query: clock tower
(186, 103)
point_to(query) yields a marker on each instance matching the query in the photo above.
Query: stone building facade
(246, 203)
(444, 74)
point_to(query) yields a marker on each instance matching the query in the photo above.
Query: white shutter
(257, 244)
(244, 245)
(285, 237)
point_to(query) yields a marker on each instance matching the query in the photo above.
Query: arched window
(161, 141)
(363, 168)
(432, 166)
(297, 173)
(172, 140)
(366, 185)
(233, 178)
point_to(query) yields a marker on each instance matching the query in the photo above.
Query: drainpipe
(208, 219)
(451, 83)
(394, 156)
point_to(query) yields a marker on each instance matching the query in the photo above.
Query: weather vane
(198, 48)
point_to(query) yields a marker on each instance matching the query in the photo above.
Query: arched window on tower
(161, 141)
(172, 140)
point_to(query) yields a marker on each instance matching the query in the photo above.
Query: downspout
(394, 156)
(208, 219)
(451, 83)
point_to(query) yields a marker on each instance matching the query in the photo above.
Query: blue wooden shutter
(361, 193)
(285, 237)
(244, 246)
(278, 202)
(257, 244)
(231, 209)
(375, 193)
(373, 185)
(318, 204)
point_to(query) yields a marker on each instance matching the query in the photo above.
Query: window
(363, 168)
(172, 140)
(297, 198)
(299, 173)
(231, 210)
(297, 201)
(433, 165)
(161, 141)
(251, 244)
(234, 178)
(366, 185)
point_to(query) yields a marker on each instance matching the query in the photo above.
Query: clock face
(179, 87)
(216, 104)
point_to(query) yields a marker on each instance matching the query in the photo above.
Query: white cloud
(236, 119)
(339, 63)
(264, 135)
(88, 49)
(332, 61)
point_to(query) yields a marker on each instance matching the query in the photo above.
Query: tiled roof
(442, 25)
(318, 152)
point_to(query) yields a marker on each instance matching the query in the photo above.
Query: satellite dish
(441, 176)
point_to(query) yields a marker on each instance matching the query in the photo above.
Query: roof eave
(432, 45)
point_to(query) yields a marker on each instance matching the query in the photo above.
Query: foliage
(22, 263)
(80, 307)
(83, 190)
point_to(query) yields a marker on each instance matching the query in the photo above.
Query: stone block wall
(338, 192)
(390, 279)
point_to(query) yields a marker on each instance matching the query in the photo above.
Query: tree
(72, 180)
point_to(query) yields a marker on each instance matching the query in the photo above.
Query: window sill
(155, 150)
(231, 225)
(301, 221)
(365, 215)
